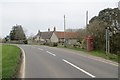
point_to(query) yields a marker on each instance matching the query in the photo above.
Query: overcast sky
(36, 15)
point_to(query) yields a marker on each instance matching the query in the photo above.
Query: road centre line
(50, 53)
(79, 68)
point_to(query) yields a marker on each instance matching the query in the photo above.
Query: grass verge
(10, 60)
(102, 54)
(109, 56)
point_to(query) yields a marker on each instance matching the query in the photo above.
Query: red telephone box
(89, 43)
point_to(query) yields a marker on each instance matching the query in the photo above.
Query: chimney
(54, 28)
(48, 29)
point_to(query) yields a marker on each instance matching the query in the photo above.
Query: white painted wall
(42, 39)
(72, 41)
(54, 38)
(37, 38)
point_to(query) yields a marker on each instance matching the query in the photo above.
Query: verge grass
(102, 54)
(108, 56)
(10, 60)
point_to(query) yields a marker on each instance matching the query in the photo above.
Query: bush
(25, 42)
(53, 44)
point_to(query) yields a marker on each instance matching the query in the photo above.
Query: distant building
(43, 36)
(7, 38)
(56, 36)
(70, 37)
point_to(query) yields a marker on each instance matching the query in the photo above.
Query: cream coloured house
(56, 37)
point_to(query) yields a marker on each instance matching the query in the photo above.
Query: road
(52, 62)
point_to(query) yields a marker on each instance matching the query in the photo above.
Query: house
(68, 37)
(43, 36)
(57, 37)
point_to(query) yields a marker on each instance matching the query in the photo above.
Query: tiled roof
(39, 33)
(46, 35)
(68, 35)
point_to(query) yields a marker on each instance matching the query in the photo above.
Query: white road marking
(98, 59)
(40, 49)
(50, 53)
(79, 68)
(22, 70)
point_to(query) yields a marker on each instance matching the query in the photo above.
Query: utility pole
(86, 18)
(119, 5)
(86, 23)
(86, 33)
(64, 32)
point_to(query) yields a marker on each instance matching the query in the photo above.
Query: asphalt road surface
(52, 62)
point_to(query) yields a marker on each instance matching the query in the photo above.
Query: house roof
(39, 33)
(68, 35)
(44, 35)
(48, 34)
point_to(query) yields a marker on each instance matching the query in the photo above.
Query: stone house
(56, 37)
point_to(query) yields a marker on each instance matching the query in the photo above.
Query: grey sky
(36, 15)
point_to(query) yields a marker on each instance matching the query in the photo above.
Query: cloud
(59, 1)
(48, 13)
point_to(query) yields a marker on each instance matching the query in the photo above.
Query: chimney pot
(48, 29)
(54, 28)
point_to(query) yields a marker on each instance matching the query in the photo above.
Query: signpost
(108, 34)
